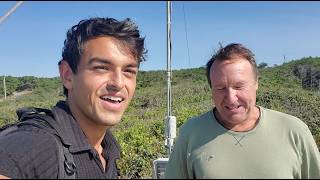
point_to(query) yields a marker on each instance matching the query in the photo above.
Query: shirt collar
(76, 137)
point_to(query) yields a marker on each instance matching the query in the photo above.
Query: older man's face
(234, 86)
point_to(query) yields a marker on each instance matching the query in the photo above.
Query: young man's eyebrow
(99, 61)
(135, 65)
(106, 61)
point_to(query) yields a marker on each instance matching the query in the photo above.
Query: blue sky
(31, 39)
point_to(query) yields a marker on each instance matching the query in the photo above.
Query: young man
(99, 66)
(238, 139)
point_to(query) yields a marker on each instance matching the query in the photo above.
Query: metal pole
(2, 18)
(4, 87)
(169, 57)
(169, 75)
(170, 120)
(159, 165)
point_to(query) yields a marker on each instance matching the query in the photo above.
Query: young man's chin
(109, 123)
(109, 119)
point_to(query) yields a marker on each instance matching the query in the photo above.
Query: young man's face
(105, 82)
(234, 87)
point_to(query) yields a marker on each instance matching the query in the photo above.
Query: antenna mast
(159, 165)
(169, 58)
(170, 120)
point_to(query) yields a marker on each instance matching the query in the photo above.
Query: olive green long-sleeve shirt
(280, 146)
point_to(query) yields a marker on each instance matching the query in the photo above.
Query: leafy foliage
(262, 65)
(141, 132)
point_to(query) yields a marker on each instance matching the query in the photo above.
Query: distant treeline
(291, 88)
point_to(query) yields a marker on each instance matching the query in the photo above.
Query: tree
(262, 65)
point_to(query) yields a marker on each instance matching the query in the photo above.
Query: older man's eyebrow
(241, 83)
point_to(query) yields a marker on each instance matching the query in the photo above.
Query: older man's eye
(220, 88)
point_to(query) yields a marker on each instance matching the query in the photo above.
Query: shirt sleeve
(9, 166)
(177, 167)
(310, 168)
(28, 154)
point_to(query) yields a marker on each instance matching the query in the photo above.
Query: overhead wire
(186, 32)
(4, 17)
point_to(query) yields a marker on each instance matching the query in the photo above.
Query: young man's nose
(116, 81)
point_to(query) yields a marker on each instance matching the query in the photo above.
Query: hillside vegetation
(292, 88)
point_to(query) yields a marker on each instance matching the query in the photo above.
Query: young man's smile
(105, 82)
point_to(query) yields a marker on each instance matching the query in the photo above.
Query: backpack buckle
(70, 167)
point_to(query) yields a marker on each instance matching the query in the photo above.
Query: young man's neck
(93, 131)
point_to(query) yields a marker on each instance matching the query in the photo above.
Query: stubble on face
(105, 82)
(234, 86)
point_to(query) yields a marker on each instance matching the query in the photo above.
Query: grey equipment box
(159, 167)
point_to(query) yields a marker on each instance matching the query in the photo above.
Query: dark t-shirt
(32, 153)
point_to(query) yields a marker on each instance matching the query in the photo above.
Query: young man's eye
(131, 71)
(101, 68)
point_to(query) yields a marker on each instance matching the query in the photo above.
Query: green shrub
(141, 131)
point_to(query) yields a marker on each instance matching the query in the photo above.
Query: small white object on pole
(171, 123)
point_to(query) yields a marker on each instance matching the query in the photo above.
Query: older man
(238, 139)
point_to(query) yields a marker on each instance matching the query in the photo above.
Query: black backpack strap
(24, 112)
(43, 119)
(67, 168)
(24, 115)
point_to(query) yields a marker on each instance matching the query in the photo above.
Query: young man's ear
(66, 74)
(257, 82)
